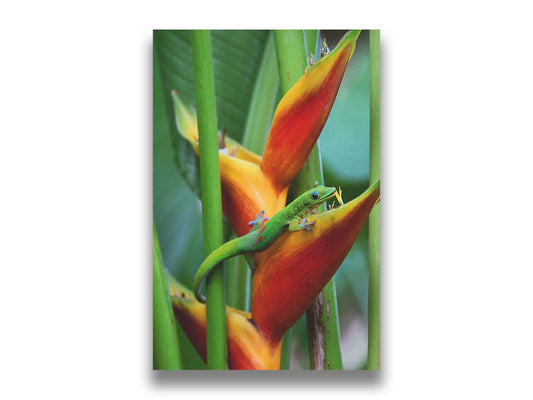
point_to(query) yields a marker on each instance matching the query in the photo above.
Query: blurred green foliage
(344, 145)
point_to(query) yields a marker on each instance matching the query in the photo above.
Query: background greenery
(344, 145)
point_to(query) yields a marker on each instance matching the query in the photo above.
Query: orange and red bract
(302, 113)
(291, 273)
(248, 348)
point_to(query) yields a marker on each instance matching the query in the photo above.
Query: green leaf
(236, 60)
(165, 340)
(204, 80)
(177, 211)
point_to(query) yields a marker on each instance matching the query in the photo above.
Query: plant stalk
(263, 100)
(374, 218)
(165, 341)
(211, 194)
(255, 132)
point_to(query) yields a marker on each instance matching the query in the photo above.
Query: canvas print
(266, 200)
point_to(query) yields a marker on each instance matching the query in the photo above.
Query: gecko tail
(200, 297)
(228, 250)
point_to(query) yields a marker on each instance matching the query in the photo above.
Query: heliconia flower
(248, 348)
(290, 274)
(302, 113)
(288, 277)
(251, 183)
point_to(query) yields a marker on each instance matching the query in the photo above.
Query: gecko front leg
(257, 222)
(295, 225)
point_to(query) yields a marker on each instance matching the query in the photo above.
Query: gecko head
(318, 195)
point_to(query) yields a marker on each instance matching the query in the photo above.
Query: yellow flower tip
(177, 289)
(185, 119)
(338, 195)
(325, 48)
(235, 149)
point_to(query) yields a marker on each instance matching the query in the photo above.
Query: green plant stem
(311, 41)
(211, 194)
(263, 100)
(238, 279)
(290, 50)
(323, 328)
(286, 344)
(165, 341)
(374, 218)
(255, 132)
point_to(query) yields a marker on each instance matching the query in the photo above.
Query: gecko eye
(314, 195)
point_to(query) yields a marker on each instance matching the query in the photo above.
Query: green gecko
(262, 237)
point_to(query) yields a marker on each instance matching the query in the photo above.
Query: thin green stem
(290, 50)
(374, 218)
(263, 100)
(166, 349)
(311, 43)
(255, 132)
(238, 279)
(323, 327)
(211, 194)
(285, 360)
